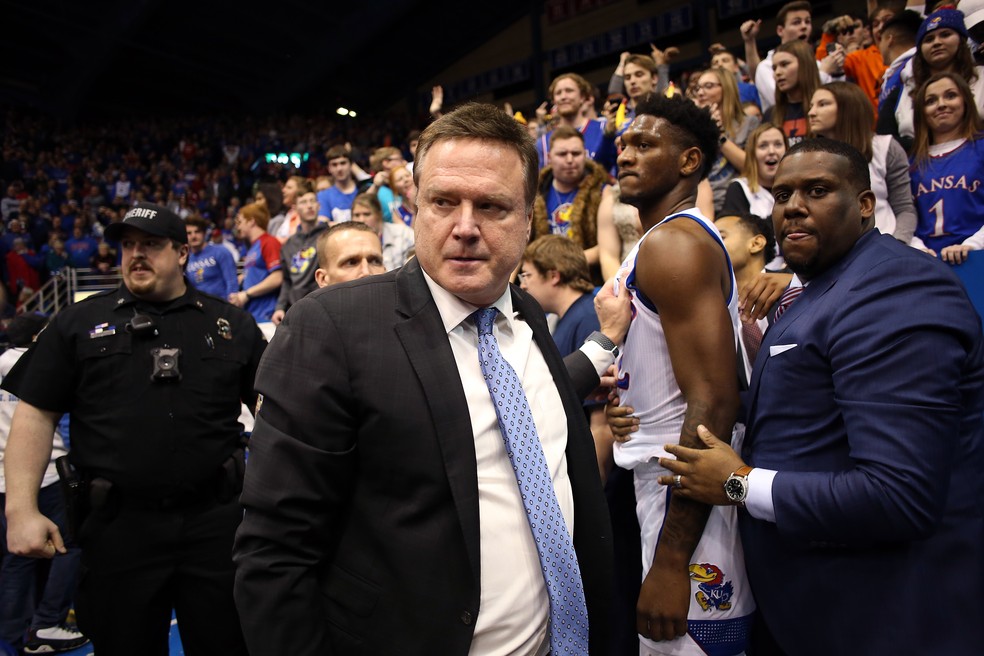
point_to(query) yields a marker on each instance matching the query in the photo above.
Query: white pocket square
(780, 348)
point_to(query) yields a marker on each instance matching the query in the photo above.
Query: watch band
(604, 342)
(743, 471)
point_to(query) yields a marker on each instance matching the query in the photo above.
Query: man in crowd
(348, 251)
(403, 522)
(211, 268)
(640, 74)
(865, 66)
(864, 441)
(285, 223)
(569, 193)
(299, 256)
(794, 21)
(81, 247)
(262, 271)
(153, 375)
(570, 93)
(751, 244)
(897, 45)
(335, 202)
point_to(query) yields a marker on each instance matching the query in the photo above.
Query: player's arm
(29, 533)
(683, 273)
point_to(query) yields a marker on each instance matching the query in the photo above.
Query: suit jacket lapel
(426, 344)
(815, 290)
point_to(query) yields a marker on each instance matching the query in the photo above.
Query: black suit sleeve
(298, 479)
(582, 372)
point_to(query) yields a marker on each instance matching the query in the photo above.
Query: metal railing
(69, 286)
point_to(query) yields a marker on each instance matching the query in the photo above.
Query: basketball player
(678, 370)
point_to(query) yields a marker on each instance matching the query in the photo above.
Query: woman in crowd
(797, 77)
(752, 192)
(947, 168)
(718, 92)
(397, 238)
(841, 111)
(941, 47)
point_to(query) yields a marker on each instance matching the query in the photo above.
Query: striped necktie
(787, 298)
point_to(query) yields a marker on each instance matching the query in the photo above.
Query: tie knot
(484, 318)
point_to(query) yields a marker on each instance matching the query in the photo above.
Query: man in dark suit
(383, 507)
(864, 499)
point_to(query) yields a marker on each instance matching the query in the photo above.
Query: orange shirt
(865, 67)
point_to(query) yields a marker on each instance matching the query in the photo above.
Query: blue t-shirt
(573, 328)
(262, 259)
(559, 207)
(596, 146)
(80, 251)
(749, 93)
(335, 204)
(385, 197)
(578, 322)
(213, 271)
(949, 196)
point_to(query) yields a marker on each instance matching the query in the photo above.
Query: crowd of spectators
(906, 90)
(64, 184)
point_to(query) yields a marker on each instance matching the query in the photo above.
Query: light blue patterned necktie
(568, 610)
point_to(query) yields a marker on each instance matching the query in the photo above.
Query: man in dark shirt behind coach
(153, 375)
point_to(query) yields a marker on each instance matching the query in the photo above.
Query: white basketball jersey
(721, 604)
(645, 374)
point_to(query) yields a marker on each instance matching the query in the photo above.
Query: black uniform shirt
(149, 437)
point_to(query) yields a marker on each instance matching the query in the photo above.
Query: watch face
(736, 488)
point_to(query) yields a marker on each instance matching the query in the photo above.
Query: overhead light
(352, 113)
(341, 111)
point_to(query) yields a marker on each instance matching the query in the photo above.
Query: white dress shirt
(759, 503)
(514, 611)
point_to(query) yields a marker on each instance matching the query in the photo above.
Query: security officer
(153, 375)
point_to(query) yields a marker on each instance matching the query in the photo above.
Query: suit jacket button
(466, 617)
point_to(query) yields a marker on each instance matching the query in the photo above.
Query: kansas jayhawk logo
(713, 592)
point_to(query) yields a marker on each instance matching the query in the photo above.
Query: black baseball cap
(152, 219)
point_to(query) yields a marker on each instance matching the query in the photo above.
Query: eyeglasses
(847, 31)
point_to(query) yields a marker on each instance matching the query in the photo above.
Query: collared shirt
(515, 607)
(759, 503)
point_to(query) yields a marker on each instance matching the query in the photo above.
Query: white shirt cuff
(600, 358)
(758, 503)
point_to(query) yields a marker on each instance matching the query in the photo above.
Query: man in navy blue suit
(862, 491)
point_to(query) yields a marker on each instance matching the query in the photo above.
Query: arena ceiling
(117, 57)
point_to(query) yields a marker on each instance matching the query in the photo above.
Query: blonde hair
(732, 113)
(751, 170)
